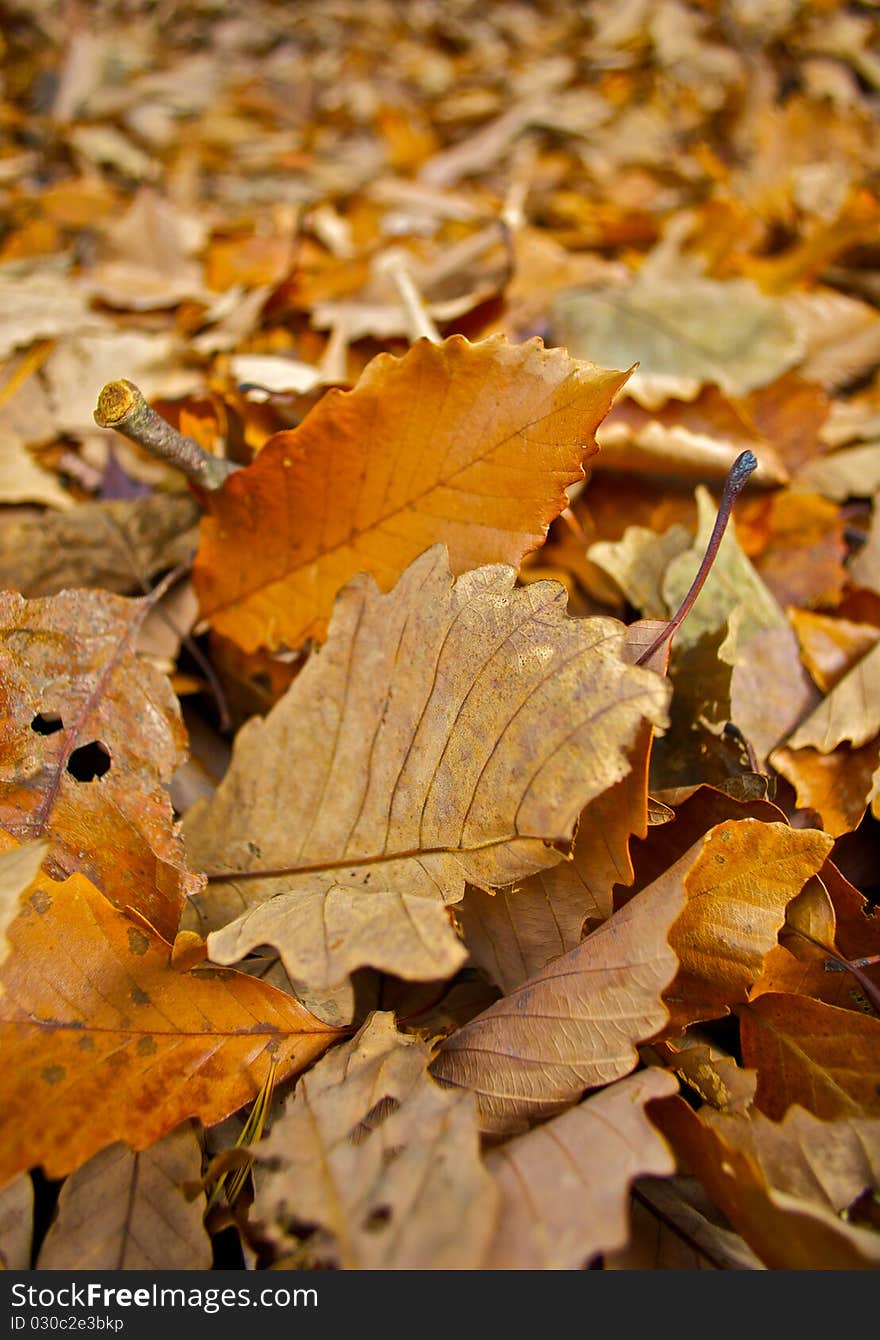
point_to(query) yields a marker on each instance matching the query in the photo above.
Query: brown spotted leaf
(104, 1041)
(472, 445)
(89, 737)
(449, 731)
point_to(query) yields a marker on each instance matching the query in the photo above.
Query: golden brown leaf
(741, 877)
(104, 1040)
(16, 1223)
(850, 712)
(807, 1052)
(74, 701)
(381, 1158)
(565, 1185)
(471, 445)
(836, 785)
(830, 647)
(447, 732)
(127, 1211)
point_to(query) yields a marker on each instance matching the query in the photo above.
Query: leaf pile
(361, 891)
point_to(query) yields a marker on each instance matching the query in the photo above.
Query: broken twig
(122, 406)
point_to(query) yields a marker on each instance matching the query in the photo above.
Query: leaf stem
(739, 472)
(121, 405)
(843, 964)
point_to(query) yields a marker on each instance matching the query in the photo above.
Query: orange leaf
(104, 1040)
(807, 1052)
(469, 444)
(743, 877)
(75, 700)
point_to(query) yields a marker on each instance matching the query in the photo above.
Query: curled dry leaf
(573, 1026)
(565, 1185)
(105, 1041)
(824, 1058)
(829, 646)
(127, 1211)
(89, 738)
(469, 444)
(382, 1159)
(787, 1231)
(448, 732)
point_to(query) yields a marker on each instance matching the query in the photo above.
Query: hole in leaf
(46, 725)
(377, 1219)
(89, 762)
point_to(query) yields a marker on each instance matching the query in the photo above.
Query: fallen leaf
(864, 569)
(638, 564)
(830, 646)
(732, 582)
(696, 440)
(39, 302)
(116, 546)
(708, 1070)
(801, 561)
(849, 712)
(830, 1162)
(22, 480)
(381, 1158)
(836, 786)
(853, 472)
(469, 444)
(428, 752)
(16, 1223)
(105, 1041)
(573, 1026)
(90, 738)
(733, 914)
(787, 1232)
(769, 688)
(683, 334)
(675, 1226)
(513, 933)
(565, 1185)
(127, 1211)
(824, 1058)
(19, 867)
